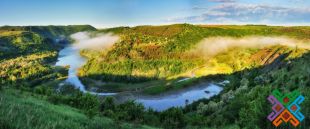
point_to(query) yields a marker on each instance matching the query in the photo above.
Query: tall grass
(21, 110)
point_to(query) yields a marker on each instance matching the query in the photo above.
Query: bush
(43, 90)
(131, 111)
(107, 104)
(107, 107)
(172, 118)
(87, 102)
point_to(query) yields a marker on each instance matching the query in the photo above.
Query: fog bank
(214, 45)
(86, 40)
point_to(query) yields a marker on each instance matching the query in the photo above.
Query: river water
(71, 56)
(178, 98)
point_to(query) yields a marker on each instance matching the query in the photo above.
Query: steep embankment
(243, 103)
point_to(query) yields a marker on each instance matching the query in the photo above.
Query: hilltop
(168, 53)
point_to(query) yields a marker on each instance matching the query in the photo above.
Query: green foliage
(32, 53)
(107, 107)
(129, 70)
(43, 90)
(26, 111)
(50, 32)
(147, 53)
(28, 70)
(86, 102)
(16, 40)
(172, 85)
(172, 118)
(26, 53)
(245, 97)
(15, 45)
(131, 111)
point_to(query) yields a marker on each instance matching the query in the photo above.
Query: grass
(155, 90)
(172, 85)
(119, 86)
(150, 87)
(21, 110)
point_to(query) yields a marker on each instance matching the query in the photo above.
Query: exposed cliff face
(267, 55)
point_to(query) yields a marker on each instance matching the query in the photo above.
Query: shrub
(172, 118)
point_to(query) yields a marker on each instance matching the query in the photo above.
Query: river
(71, 56)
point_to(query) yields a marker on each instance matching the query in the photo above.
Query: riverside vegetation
(151, 58)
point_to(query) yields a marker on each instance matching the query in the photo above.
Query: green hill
(165, 53)
(23, 110)
(26, 53)
(28, 82)
(244, 104)
(16, 40)
(49, 31)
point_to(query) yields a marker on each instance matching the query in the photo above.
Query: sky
(111, 13)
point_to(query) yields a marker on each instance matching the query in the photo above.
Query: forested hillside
(29, 79)
(27, 53)
(16, 40)
(244, 104)
(166, 53)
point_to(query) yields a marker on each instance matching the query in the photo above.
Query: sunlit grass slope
(23, 110)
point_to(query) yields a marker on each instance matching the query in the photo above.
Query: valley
(170, 76)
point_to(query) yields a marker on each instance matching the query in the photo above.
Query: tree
(130, 111)
(172, 118)
(202, 108)
(107, 107)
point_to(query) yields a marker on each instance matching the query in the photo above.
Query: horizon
(283, 25)
(109, 14)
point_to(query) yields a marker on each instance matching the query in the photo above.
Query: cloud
(86, 40)
(222, 1)
(296, 0)
(214, 45)
(247, 13)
